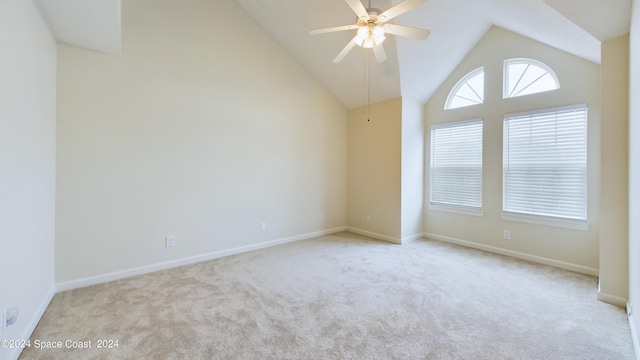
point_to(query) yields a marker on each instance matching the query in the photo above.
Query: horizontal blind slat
(456, 164)
(545, 163)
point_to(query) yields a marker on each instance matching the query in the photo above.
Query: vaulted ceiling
(414, 69)
(94, 25)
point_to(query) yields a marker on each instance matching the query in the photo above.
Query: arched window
(527, 76)
(468, 91)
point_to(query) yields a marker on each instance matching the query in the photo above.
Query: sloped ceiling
(604, 20)
(414, 69)
(418, 68)
(91, 24)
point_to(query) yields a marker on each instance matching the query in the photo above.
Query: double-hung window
(545, 163)
(456, 165)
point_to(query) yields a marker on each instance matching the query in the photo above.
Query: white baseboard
(407, 239)
(375, 235)
(104, 278)
(634, 331)
(612, 299)
(533, 258)
(33, 322)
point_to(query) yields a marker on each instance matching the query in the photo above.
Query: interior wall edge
(611, 299)
(634, 332)
(410, 238)
(33, 322)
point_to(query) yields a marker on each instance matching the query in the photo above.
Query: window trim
(548, 110)
(456, 209)
(528, 61)
(463, 80)
(582, 225)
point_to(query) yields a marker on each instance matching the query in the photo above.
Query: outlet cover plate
(11, 316)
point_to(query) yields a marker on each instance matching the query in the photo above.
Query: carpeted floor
(341, 296)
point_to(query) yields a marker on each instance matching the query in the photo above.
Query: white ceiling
(91, 24)
(414, 69)
(418, 68)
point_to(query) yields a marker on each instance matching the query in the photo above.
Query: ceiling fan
(372, 26)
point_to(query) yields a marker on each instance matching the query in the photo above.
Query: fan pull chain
(364, 82)
(369, 81)
(369, 86)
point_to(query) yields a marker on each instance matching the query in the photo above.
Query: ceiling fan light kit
(371, 28)
(369, 35)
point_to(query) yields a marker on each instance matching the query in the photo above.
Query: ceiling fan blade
(400, 9)
(406, 31)
(380, 54)
(358, 8)
(345, 51)
(332, 29)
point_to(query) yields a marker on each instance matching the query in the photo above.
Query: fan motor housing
(372, 18)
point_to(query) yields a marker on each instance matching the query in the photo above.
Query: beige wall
(375, 170)
(579, 79)
(27, 166)
(386, 170)
(204, 128)
(634, 173)
(614, 171)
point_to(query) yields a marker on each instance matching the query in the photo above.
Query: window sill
(539, 220)
(457, 210)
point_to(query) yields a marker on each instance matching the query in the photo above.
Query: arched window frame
(464, 81)
(507, 92)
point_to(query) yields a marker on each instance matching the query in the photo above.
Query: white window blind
(545, 163)
(456, 164)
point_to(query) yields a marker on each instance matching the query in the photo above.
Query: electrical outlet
(170, 241)
(322, 217)
(11, 316)
(506, 234)
(263, 226)
(368, 218)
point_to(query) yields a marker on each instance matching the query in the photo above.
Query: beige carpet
(342, 296)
